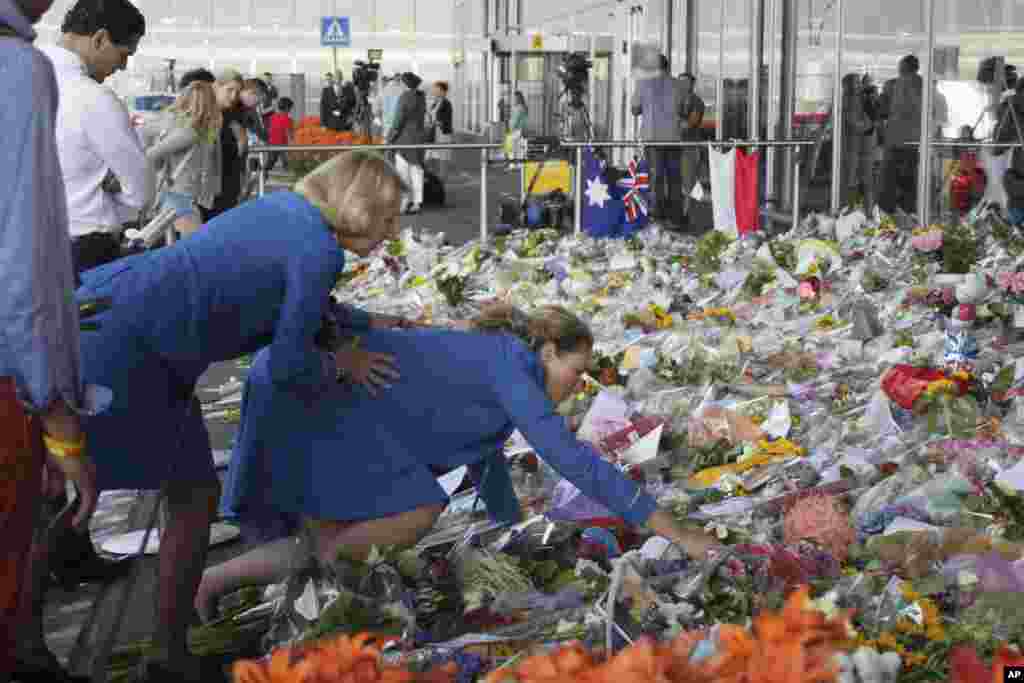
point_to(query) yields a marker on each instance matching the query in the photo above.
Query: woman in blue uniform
(258, 276)
(364, 467)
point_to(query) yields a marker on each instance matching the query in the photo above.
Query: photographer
(575, 120)
(347, 100)
(364, 76)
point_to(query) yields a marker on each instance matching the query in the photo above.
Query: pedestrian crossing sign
(334, 32)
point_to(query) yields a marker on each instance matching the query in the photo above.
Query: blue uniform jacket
(353, 457)
(257, 276)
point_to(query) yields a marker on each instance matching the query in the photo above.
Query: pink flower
(806, 291)
(1005, 280)
(928, 242)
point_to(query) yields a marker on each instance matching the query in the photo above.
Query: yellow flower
(908, 592)
(888, 641)
(906, 626)
(935, 633)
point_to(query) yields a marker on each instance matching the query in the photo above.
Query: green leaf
(1004, 380)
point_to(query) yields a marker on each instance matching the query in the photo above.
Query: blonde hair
(548, 324)
(199, 104)
(352, 189)
(228, 75)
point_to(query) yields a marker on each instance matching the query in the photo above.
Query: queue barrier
(484, 148)
(682, 144)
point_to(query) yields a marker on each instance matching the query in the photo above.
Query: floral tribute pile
(841, 406)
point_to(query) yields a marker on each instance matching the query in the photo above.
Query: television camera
(364, 75)
(574, 72)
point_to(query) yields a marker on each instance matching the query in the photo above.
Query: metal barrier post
(483, 194)
(262, 186)
(796, 193)
(577, 200)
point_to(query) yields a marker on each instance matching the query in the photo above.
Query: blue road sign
(334, 32)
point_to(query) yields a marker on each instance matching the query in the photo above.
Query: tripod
(362, 116)
(575, 124)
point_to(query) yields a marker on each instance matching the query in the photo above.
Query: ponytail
(552, 324)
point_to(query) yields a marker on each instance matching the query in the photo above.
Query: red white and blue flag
(637, 184)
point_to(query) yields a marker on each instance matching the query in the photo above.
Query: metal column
(692, 36)
(787, 94)
(720, 86)
(772, 122)
(837, 112)
(756, 60)
(924, 170)
(666, 31)
(592, 80)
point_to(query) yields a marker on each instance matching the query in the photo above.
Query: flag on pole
(637, 186)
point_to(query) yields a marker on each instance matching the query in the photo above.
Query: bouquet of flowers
(927, 240)
(1012, 284)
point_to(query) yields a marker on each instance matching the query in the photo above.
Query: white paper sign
(645, 449)
(453, 480)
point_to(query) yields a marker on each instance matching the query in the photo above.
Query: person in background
(346, 100)
(330, 104)
(519, 119)
(692, 123)
(107, 181)
(252, 121)
(228, 89)
(194, 75)
(857, 153)
(104, 166)
(440, 132)
(41, 391)
(270, 96)
(900, 107)
(509, 371)
(390, 94)
(408, 129)
(184, 145)
(260, 274)
(660, 100)
(282, 129)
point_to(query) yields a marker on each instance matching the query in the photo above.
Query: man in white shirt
(106, 174)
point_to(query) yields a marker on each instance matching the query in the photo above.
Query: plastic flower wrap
(927, 241)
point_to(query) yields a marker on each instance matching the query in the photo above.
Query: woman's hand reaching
(372, 370)
(384, 322)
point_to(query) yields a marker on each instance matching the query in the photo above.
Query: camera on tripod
(364, 75)
(574, 72)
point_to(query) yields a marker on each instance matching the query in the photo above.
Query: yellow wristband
(64, 449)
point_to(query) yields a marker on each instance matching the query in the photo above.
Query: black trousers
(94, 250)
(899, 180)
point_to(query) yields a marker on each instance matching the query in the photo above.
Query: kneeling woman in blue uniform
(256, 276)
(364, 467)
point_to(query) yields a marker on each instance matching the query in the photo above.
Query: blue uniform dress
(354, 457)
(258, 276)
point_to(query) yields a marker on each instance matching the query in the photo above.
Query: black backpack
(433, 189)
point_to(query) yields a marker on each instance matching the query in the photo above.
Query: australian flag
(601, 211)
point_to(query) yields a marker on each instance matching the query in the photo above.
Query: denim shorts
(183, 204)
(1016, 216)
